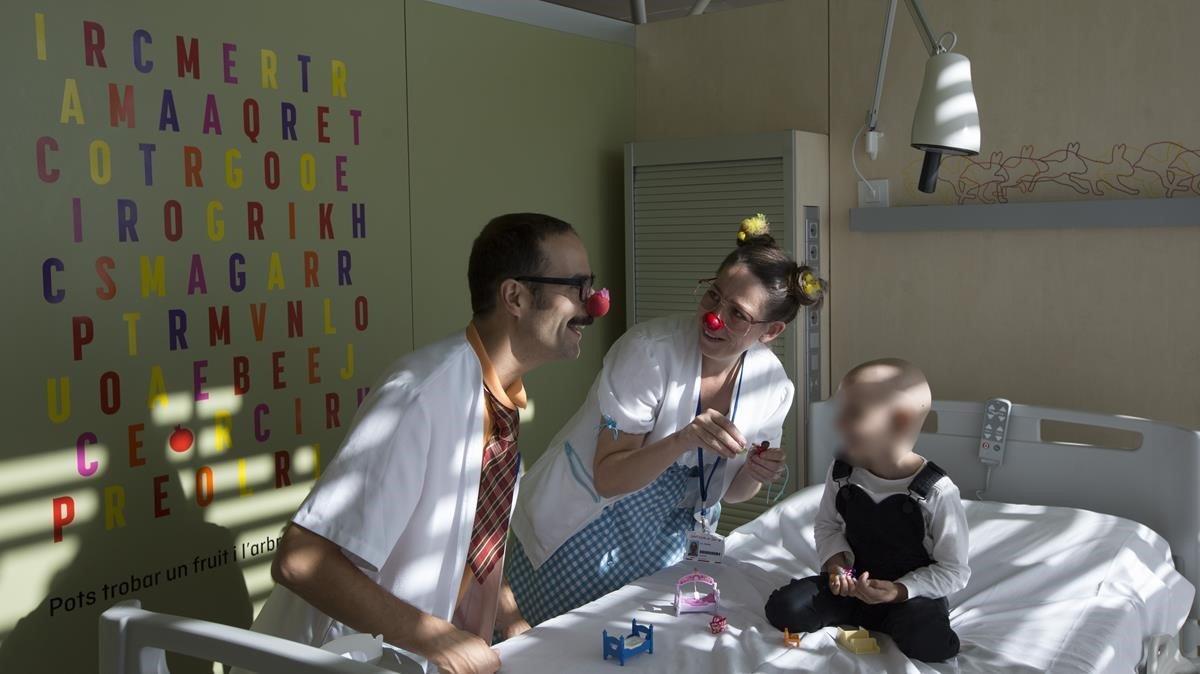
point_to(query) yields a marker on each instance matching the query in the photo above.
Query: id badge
(703, 546)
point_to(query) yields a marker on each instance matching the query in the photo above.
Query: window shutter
(685, 200)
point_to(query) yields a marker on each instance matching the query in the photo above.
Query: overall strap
(923, 483)
(841, 471)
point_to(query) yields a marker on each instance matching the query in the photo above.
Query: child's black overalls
(888, 540)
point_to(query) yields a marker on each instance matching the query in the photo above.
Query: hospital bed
(1094, 571)
(136, 641)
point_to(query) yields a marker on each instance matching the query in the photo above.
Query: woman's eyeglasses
(583, 283)
(736, 321)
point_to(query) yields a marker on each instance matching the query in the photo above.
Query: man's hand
(878, 591)
(509, 621)
(515, 629)
(459, 652)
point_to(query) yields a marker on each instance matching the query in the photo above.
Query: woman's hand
(713, 431)
(766, 465)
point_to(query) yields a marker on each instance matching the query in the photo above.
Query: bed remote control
(994, 434)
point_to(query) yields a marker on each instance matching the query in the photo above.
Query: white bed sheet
(1052, 590)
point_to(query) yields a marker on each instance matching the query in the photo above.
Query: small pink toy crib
(690, 596)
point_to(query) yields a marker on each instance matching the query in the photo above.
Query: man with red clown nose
(637, 476)
(404, 533)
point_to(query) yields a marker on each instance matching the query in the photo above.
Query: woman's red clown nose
(713, 322)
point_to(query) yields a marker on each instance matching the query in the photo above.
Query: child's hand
(877, 591)
(836, 567)
(841, 584)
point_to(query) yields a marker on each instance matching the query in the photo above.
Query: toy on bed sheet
(857, 640)
(694, 601)
(717, 624)
(789, 639)
(639, 640)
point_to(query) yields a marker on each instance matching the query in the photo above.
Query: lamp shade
(947, 117)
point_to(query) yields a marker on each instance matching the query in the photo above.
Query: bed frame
(1155, 484)
(136, 641)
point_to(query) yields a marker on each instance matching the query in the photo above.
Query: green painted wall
(508, 117)
(502, 116)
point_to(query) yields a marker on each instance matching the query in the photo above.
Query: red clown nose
(713, 322)
(599, 303)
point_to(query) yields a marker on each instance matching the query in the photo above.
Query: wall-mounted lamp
(946, 121)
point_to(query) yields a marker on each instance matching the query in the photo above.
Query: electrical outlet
(878, 199)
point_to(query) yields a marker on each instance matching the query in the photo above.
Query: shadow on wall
(60, 634)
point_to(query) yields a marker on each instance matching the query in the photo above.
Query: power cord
(987, 481)
(854, 160)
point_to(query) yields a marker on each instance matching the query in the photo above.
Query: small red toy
(717, 624)
(599, 303)
(181, 439)
(713, 322)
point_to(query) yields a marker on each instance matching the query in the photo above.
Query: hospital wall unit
(1110, 312)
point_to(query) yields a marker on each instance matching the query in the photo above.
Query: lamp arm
(889, 22)
(927, 35)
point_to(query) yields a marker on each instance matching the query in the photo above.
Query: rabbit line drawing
(1163, 168)
(1084, 174)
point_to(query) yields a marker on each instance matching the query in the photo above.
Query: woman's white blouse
(649, 385)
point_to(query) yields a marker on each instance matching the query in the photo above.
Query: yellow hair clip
(755, 225)
(810, 285)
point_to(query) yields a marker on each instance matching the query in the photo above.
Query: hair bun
(755, 230)
(809, 287)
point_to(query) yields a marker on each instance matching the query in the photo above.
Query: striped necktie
(497, 484)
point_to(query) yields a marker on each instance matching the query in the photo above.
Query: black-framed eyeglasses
(583, 283)
(737, 321)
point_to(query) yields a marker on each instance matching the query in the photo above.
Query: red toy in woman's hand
(713, 322)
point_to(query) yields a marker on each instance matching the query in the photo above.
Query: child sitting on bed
(890, 530)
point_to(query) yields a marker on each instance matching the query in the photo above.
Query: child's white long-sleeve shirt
(946, 534)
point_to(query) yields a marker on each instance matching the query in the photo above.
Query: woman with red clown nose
(636, 478)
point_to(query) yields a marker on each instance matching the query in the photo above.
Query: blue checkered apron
(634, 537)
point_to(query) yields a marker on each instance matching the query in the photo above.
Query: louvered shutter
(686, 216)
(684, 200)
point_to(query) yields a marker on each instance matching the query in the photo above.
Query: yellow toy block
(857, 640)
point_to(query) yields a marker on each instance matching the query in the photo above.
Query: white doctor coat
(649, 384)
(400, 496)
